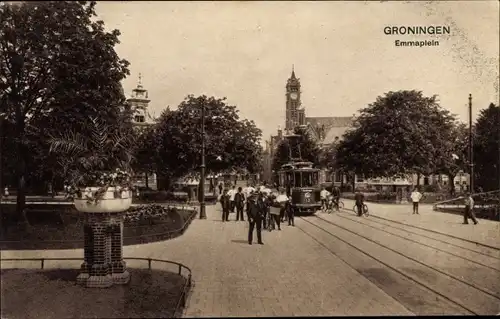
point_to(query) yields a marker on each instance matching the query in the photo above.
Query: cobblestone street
(333, 264)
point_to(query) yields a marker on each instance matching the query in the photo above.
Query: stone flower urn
(103, 263)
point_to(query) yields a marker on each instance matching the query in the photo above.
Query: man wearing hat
(254, 215)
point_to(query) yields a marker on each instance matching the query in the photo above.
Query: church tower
(295, 115)
(139, 103)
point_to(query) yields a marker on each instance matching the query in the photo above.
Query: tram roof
(299, 166)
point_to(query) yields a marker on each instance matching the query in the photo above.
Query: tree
(452, 155)
(145, 151)
(309, 150)
(57, 65)
(230, 142)
(398, 134)
(487, 148)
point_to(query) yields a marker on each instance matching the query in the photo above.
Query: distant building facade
(330, 130)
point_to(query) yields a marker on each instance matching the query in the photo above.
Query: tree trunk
(451, 178)
(147, 179)
(21, 170)
(353, 182)
(418, 179)
(341, 181)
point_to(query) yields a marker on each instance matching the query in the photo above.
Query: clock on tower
(292, 102)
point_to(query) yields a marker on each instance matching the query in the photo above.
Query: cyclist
(359, 198)
(324, 194)
(336, 196)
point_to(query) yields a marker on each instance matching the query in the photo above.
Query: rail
(185, 289)
(489, 199)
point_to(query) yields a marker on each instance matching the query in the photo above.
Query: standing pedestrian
(261, 203)
(290, 213)
(220, 188)
(239, 199)
(469, 209)
(6, 191)
(416, 196)
(226, 205)
(282, 199)
(231, 194)
(254, 219)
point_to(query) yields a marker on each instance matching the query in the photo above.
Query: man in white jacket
(416, 196)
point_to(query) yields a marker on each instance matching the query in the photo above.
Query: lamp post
(471, 151)
(203, 213)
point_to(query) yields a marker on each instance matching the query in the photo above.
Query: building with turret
(139, 103)
(329, 130)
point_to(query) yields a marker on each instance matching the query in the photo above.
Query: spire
(293, 72)
(139, 84)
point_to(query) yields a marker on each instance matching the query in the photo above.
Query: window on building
(139, 118)
(338, 177)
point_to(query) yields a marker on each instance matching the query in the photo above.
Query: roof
(334, 132)
(330, 121)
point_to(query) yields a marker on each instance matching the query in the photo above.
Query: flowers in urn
(97, 161)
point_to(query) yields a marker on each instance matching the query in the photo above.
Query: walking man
(254, 216)
(469, 209)
(415, 198)
(239, 199)
(359, 198)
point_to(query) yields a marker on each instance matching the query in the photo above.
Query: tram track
(494, 293)
(450, 236)
(488, 251)
(366, 222)
(452, 295)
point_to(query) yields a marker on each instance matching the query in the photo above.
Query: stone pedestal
(103, 263)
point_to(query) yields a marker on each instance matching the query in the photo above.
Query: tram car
(303, 181)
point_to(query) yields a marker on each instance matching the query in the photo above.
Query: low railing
(486, 205)
(167, 235)
(486, 200)
(186, 289)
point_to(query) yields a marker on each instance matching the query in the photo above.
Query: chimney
(280, 133)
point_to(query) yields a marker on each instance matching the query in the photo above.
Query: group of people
(263, 208)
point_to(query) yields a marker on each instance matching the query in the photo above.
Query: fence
(488, 202)
(186, 289)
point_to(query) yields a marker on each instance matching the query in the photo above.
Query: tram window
(298, 180)
(307, 179)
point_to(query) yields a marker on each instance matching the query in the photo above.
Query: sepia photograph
(178, 159)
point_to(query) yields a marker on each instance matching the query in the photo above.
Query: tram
(303, 181)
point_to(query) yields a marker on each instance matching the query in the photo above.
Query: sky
(245, 51)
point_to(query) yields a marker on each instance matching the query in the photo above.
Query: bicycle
(364, 210)
(331, 205)
(269, 222)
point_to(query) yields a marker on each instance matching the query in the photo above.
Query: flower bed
(62, 227)
(152, 196)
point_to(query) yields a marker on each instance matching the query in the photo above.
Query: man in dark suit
(226, 206)
(239, 201)
(254, 214)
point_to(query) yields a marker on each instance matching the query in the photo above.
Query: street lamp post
(471, 151)
(203, 213)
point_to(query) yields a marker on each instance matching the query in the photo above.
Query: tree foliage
(230, 142)
(486, 148)
(309, 149)
(400, 133)
(452, 155)
(57, 65)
